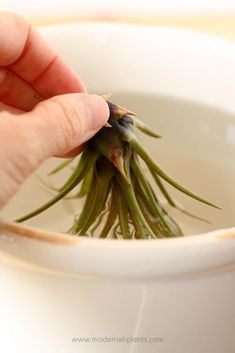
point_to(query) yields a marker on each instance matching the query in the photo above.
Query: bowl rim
(184, 257)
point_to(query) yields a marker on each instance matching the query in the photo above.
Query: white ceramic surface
(181, 290)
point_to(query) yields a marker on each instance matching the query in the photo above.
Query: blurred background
(213, 16)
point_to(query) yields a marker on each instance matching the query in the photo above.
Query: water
(197, 149)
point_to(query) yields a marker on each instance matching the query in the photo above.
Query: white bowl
(181, 290)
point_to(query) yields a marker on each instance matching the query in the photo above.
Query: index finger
(30, 57)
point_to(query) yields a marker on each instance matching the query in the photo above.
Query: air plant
(119, 199)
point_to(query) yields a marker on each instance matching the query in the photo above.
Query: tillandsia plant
(119, 200)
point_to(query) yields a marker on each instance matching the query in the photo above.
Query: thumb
(53, 127)
(64, 122)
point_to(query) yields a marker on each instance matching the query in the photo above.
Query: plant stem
(102, 188)
(171, 202)
(87, 208)
(112, 215)
(144, 128)
(122, 210)
(63, 193)
(61, 166)
(128, 192)
(86, 183)
(157, 169)
(153, 204)
(87, 158)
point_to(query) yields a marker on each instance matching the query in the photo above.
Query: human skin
(44, 108)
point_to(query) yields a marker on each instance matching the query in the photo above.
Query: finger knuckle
(17, 29)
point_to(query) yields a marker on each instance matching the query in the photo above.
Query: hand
(32, 130)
